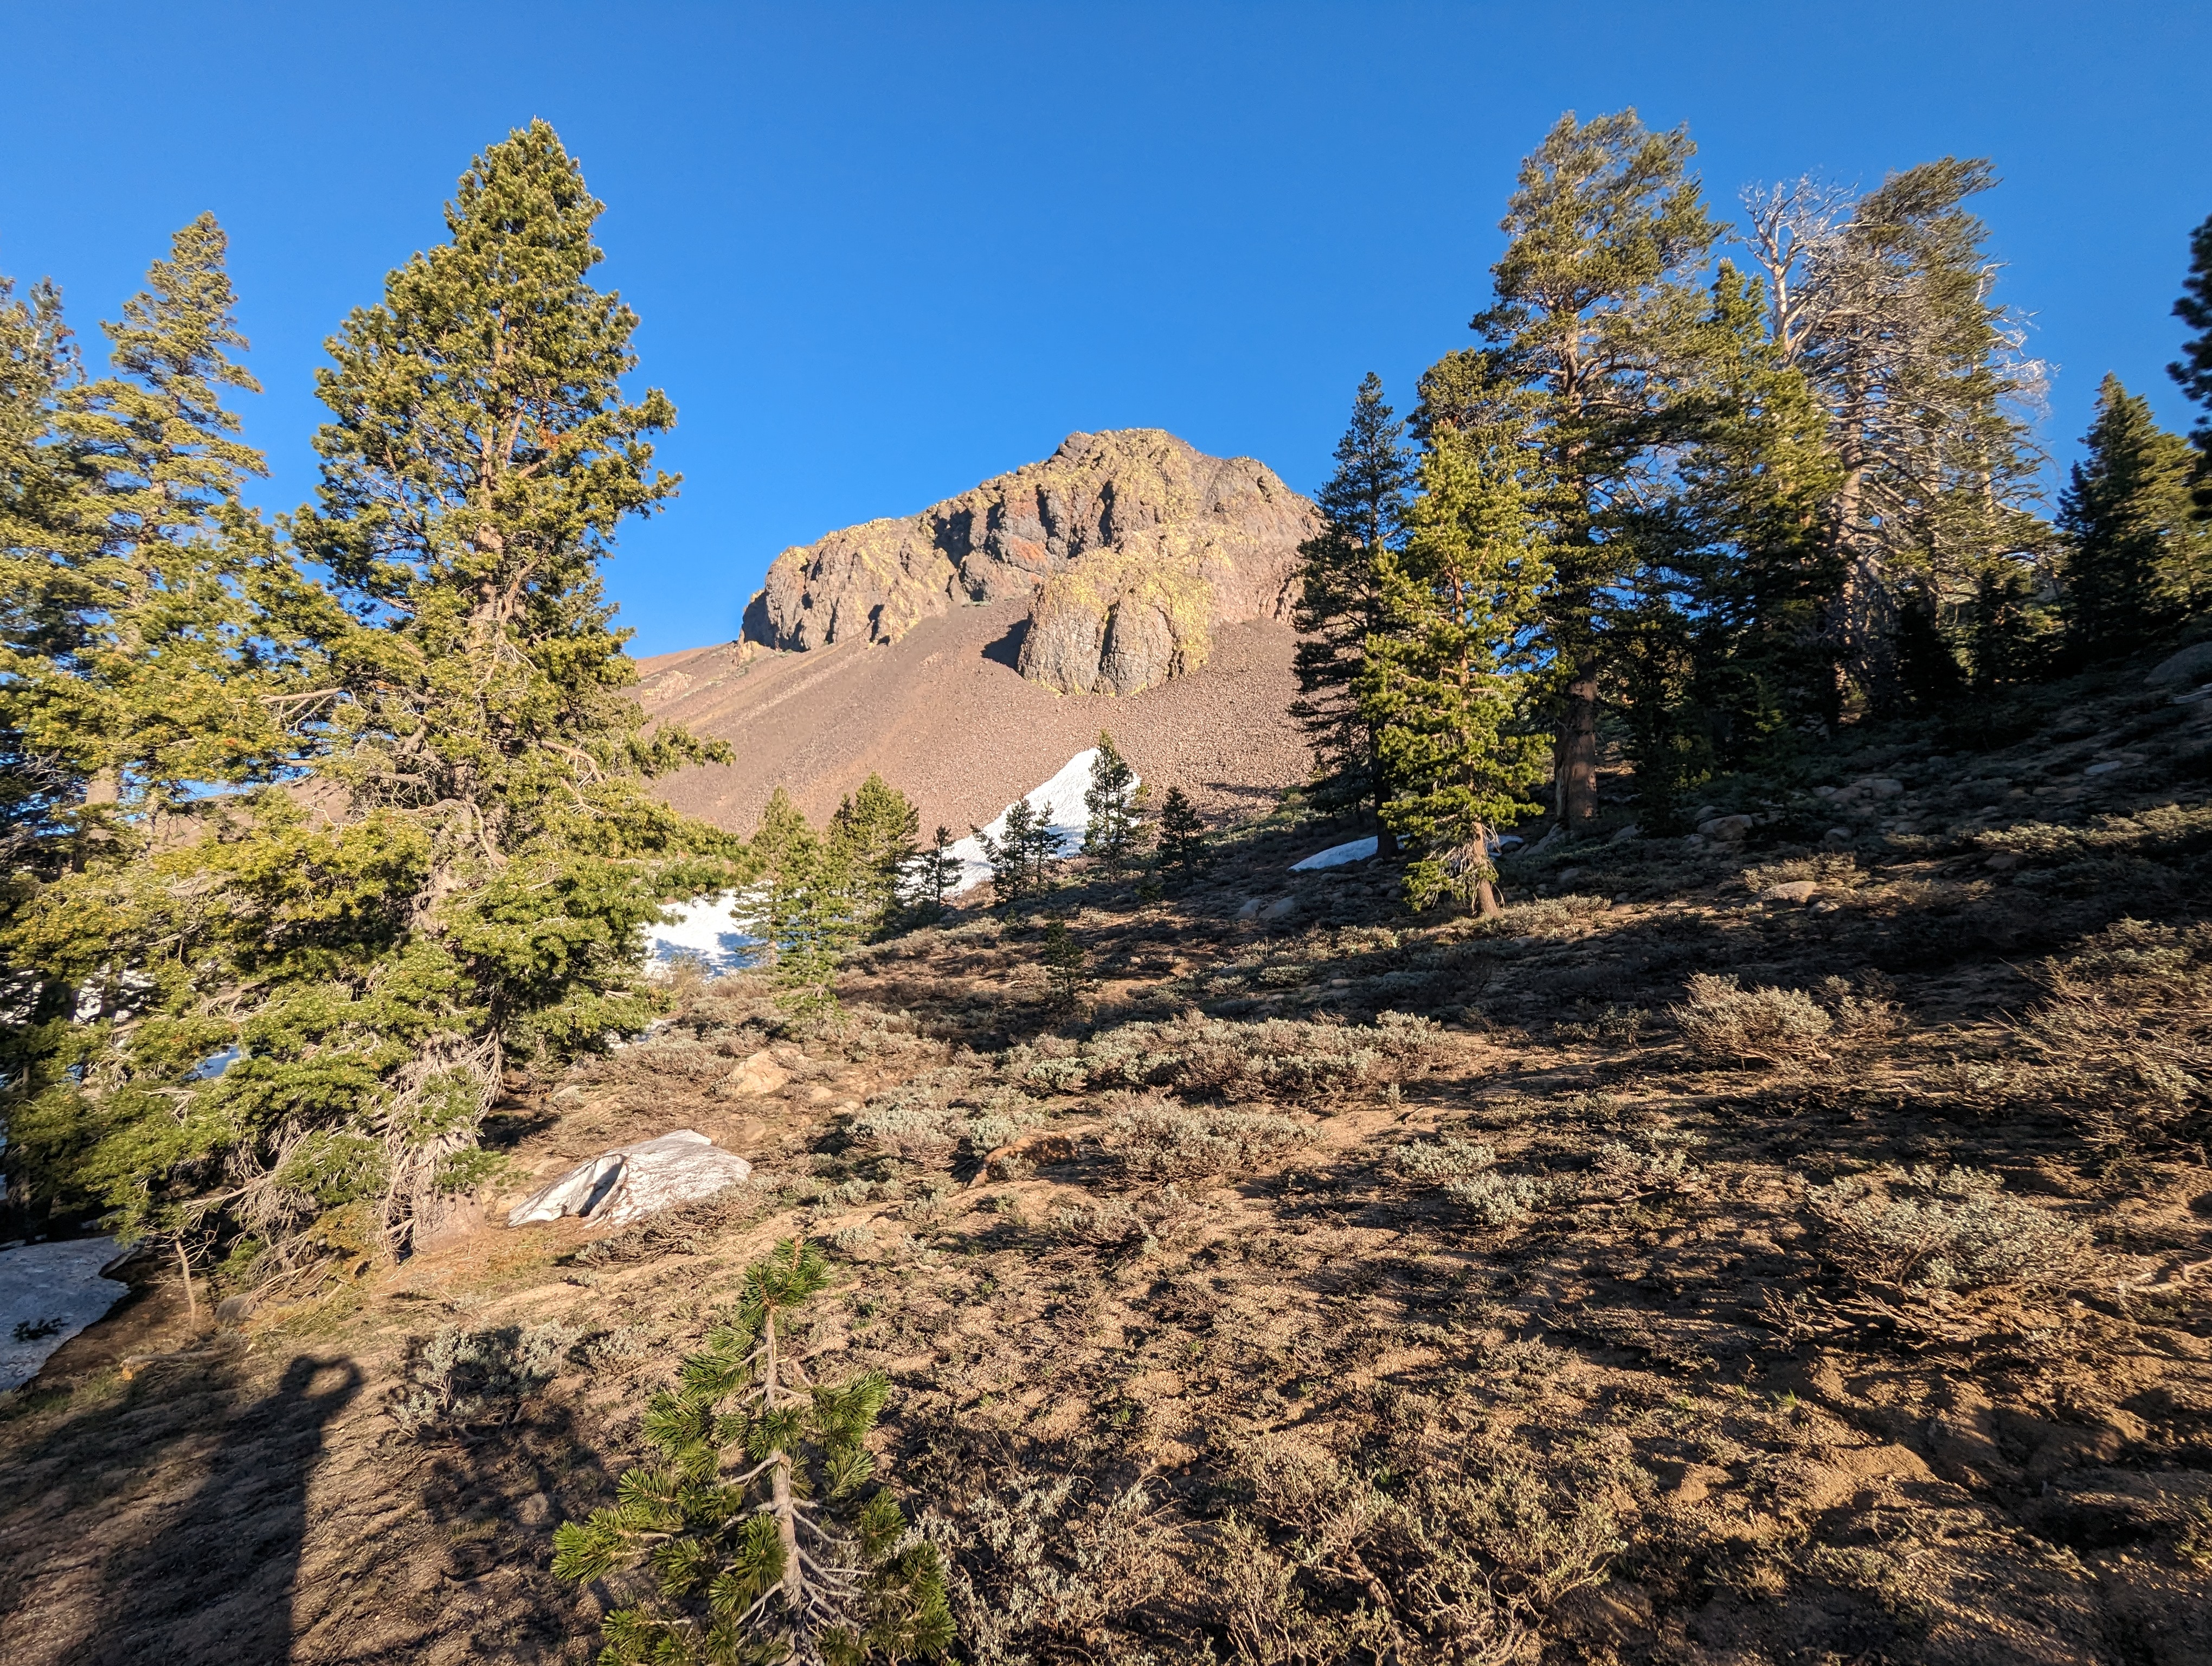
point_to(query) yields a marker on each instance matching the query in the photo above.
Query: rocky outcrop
(1132, 546)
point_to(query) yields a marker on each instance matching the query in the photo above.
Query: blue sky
(883, 252)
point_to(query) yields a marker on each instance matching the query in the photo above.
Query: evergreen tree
(1758, 578)
(1446, 682)
(1921, 378)
(2137, 560)
(937, 872)
(2011, 631)
(811, 900)
(1113, 825)
(1062, 954)
(765, 1540)
(875, 829)
(469, 874)
(1595, 320)
(2193, 369)
(1021, 854)
(46, 525)
(1341, 601)
(1182, 835)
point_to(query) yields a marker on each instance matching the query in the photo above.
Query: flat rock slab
(632, 1182)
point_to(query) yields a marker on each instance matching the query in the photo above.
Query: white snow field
(1060, 799)
(49, 1292)
(707, 930)
(1337, 855)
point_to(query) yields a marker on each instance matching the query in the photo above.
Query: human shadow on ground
(210, 1579)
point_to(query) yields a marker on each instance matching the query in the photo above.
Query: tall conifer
(1340, 602)
(1596, 304)
(2193, 369)
(1445, 682)
(466, 879)
(2137, 560)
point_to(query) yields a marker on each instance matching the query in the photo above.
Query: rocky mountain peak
(1132, 546)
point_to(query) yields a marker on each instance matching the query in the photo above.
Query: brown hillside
(943, 715)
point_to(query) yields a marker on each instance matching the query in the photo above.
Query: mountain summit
(1133, 547)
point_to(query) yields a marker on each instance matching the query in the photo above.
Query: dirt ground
(1328, 1284)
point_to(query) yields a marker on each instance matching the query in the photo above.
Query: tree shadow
(211, 1579)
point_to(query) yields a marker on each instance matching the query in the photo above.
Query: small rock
(536, 1511)
(1792, 890)
(235, 1310)
(2111, 767)
(1281, 908)
(1839, 835)
(2004, 861)
(1631, 831)
(1567, 876)
(1882, 786)
(1250, 910)
(2187, 666)
(1728, 829)
(1824, 792)
(1824, 906)
(758, 1074)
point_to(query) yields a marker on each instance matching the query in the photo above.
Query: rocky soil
(945, 717)
(1789, 1242)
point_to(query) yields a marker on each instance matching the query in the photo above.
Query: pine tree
(813, 900)
(1758, 578)
(1063, 956)
(938, 871)
(764, 1537)
(2137, 560)
(875, 829)
(1594, 319)
(2011, 629)
(1446, 682)
(473, 879)
(1341, 601)
(1113, 825)
(1022, 852)
(2193, 369)
(46, 529)
(1921, 374)
(1183, 835)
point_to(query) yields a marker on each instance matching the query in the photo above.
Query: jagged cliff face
(1132, 546)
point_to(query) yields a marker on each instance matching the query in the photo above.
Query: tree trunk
(1486, 904)
(1574, 768)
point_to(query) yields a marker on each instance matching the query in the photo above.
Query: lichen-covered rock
(1132, 543)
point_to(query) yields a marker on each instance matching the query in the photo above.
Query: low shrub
(1765, 1026)
(1499, 1200)
(1949, 1231)
(1160, 1139)
(1440, 1162)
(458, 1380)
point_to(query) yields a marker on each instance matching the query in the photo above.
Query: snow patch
(1060, 799)
(48, 1293)
(708, 930)
(1338, 854)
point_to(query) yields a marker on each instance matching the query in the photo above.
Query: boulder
(1729, 830)
(758, 1073)
(2191, 665)
(629, 1183)
(1132, 545)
